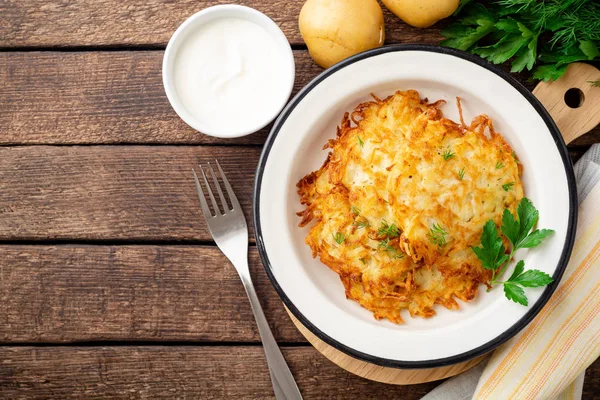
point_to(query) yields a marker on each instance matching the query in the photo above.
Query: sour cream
(231, 75)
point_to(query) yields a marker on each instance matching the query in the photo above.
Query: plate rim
(562, 262)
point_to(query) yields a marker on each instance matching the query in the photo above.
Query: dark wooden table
(110, 283)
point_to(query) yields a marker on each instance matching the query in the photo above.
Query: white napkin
(465, 386)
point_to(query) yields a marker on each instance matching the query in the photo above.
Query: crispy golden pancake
(400, 200)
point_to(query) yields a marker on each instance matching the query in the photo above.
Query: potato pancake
(400, 200)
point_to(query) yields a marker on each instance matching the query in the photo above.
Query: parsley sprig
(493, 255)
(543, 36)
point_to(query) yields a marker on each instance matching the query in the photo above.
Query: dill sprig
(355, 210)
(361, 222)
(390, 231)
(595, 83)
(499, 165)
(339, 237)
(447, 154)
(461, 173)
(437, 235)
(540, 36)
(392, 251)
(360, 142)
(508, 186)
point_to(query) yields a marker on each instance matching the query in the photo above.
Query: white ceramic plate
(315, 294)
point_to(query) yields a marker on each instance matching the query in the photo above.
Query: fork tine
(218, 186)
(203, 204)
(232, 199)
(210, 193)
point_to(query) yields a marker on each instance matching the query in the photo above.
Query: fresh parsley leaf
(589, 48)
(511, 227)
(510, 31)
(390, 231)
(528, 216)
(526, 57)
(517, 229)
(339, 237)
(531, 278)
(492, 251)
(360, 142)
(549, 72)
(535, 238)
(508, 186)
(515, 293)
(519, 268)
(468, 31)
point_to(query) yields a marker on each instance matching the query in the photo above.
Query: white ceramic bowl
(203, 17)
(315, 294)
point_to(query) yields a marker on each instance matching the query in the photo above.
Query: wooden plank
(113, 192)
(62, 294)
(178, 372)
(107, 98)
(99, 98)
(108, 193)
(140, 22)
(189, 372)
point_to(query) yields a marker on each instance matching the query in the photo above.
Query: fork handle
(284, 385)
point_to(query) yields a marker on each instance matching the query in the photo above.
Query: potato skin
(422, 13)
(337, 29)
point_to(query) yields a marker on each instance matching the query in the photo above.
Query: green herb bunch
(493, 255)
(545, 34)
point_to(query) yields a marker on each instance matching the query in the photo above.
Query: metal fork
(228, 227)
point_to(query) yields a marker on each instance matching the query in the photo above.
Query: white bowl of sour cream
(228, 71)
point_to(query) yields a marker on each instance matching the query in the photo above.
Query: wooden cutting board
(574, 104)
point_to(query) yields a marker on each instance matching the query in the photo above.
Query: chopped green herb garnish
(595, 83)
(461, 173)
(363, 260)
(499, 165)
(508, 186)
(437, 235)
(390, 231)
(360, 142)
(493, 255)
(361, 223)
(447, 155)
(355, 210)
(392, 251)
(339, 237)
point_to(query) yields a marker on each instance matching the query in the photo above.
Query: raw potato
(337, 29)
(422, 13)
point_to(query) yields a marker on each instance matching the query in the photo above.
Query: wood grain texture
(100, 98)
(125, 193)
(108, 98)
(178, 372)
(189, 372)
(140, 22)
(71, 293)
(113, 192)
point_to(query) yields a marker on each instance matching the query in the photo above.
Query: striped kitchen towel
(547, 360)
